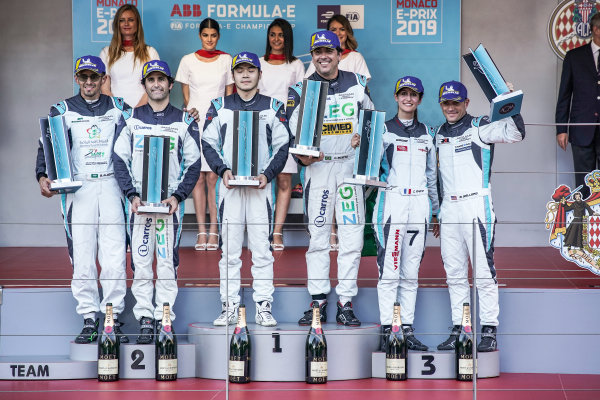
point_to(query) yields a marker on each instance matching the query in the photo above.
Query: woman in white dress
(125, 57)
(205, 75)
(280, 70)
(351, 61)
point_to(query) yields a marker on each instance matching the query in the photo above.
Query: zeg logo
(143, 248)
(320, 220)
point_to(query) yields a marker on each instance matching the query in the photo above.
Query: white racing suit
(94, 214)
(243, 206)
(156, 233)
(401, 214)
(465, 151)
(324, 190)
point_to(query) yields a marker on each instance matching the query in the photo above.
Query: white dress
(275, 82)
(354, 62)
(126, 75)
(207, 81)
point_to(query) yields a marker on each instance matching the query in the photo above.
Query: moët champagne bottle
(239, 350)
(316, 350)
(464, 348)
(166, 348)
(396, 350)
(108, 349)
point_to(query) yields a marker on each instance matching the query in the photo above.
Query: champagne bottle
(166, 348)
(108, 349)
(316, 350)
(464, 347)
(396, 352)
(239, 350)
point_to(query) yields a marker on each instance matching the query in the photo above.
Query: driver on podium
(324, 188)
(94, 218)
(250, 206)
(154, 232)
(465, 147)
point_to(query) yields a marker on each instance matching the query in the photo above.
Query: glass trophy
(57, 153)
(244, 157)
(367, 156)
(310, 118)
(155, 178)
(503, 102)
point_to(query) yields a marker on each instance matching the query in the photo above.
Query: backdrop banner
(396, 37)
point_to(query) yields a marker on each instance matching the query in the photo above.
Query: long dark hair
(209, 23)
(288, 39)
(351, 42)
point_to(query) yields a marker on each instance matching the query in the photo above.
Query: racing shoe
(306, 320)
(385, 332)
(345, 315)
(122, 337)
(488, 339)
(411, 341)
(146, 335)
(227, 317)
(89, 333)
(263, 314)
(450, 343)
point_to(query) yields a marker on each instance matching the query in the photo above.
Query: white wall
(36, 49)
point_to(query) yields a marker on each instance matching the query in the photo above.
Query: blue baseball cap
(453, 91)
(324, 39)
(245, 57)
(155, 65)
(91, 63)
(409, 82)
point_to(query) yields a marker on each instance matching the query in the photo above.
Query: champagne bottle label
(236, 368)
(395, 366)
(318, 369)
(167, 366)
(108, 367)
(465, 366)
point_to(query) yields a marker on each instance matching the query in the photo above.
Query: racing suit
(402, 212)
(465, 151)
(324, 189)
(153, 232)
(243, 205)
(94, 214)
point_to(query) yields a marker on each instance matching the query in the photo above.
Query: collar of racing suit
(459, 126)
(246, 104)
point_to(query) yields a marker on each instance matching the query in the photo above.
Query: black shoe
(411, 341)
(89, 333)
(450, 343)
(122, 337)
(306, 320)
(385, 332)
(345, 315)
(488, 339)
(146, 331)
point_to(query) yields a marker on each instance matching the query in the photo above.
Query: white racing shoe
(263, 314)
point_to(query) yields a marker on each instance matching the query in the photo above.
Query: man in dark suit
(579, 102)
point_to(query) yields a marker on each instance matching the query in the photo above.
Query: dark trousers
(585, 160)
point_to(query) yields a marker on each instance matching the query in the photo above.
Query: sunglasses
(92, 77)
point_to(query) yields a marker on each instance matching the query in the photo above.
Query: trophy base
(158, 208)
(243, 181)
(305, 151)
(65, 186)
(365, 180)
(506, 105)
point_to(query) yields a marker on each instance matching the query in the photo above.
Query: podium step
(438, 365)
(278, 352)
(136, 361)
(46, 368)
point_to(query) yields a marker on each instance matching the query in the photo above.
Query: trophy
(244, 157)
(155, 174)
(503, 102)
(367, 157)
(310, 118)
(57, 153)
